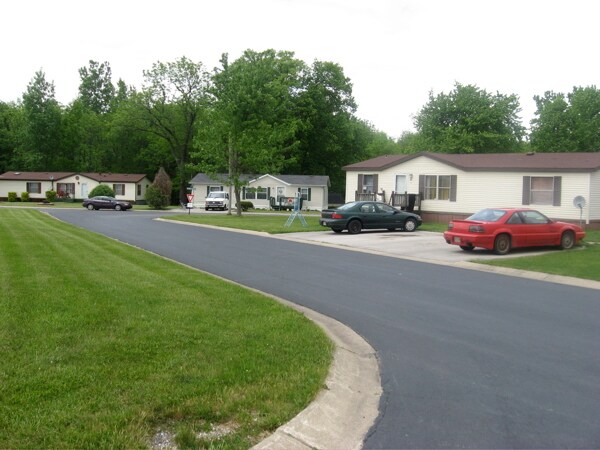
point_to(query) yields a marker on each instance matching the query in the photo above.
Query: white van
(217, 200)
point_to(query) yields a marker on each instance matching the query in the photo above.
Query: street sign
(190, 198)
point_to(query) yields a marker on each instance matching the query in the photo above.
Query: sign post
(190, 204)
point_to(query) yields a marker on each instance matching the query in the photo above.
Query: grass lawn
(581, 262)
(271, 223)
(104, 346)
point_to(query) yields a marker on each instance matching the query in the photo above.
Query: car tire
(467, 248)
(354, 226)
(410, 225)
(336, 230)
(567, 240)
(90, 207)
(502, 244)
(118, 207)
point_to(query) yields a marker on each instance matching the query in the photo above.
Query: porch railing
(406, 201)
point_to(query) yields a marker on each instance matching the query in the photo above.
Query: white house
(445, 186)
(130, 187)
(264, 190)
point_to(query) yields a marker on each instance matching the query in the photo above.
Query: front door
(401, 184)
(84, 190)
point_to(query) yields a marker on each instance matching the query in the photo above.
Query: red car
(500, 229)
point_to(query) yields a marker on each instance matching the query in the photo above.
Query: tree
(162, 181)
(252, 122)
(96, 90)
(170, 106)
(102, 189)
(11, 125)
(470, 120)
(159, 193)
(565, 123)
(41, 142)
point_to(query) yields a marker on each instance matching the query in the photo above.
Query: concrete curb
(341, 414)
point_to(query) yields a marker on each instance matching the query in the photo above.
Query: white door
(401, 185)
(84, 190)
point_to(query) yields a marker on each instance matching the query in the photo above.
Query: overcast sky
(395, 52)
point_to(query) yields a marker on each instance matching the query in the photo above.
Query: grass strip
(104, 345)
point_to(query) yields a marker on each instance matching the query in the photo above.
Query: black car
(103, 202)
(355, 216)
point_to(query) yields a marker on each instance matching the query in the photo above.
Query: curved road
(468, 359)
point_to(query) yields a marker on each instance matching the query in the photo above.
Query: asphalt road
(468, 359)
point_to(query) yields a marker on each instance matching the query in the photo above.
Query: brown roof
(502, 162)
(45, 176)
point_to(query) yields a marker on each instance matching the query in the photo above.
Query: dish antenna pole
(579, 202)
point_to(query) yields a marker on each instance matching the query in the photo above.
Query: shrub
(102, 189)
(50, 196)
(12, 196)
(155, 198)
(246, 205)
(24, 196)
(163, 182)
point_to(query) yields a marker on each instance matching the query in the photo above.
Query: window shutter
(526, 190)
(453, 188)
(309, 194)
(207, 190)
(421, 185)
(268, 193)
(359, 185)
(557, 191)
(221, 188)
(244, 193)
(375, 183)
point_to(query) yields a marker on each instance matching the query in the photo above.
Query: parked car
(356, 216)
(501, 229)
(217, 200)
(104, 202)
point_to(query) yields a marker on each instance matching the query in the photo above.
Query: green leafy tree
(470, 120)
(11, 128)
(96, 90)
(252, 121)
(566, 123)
(162, 181)
(102, 189)
(41, 145)
(170, 106)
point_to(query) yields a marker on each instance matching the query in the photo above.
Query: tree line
(265, 112)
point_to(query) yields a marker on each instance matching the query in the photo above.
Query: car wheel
(467, 248)
(90, 207)
(337, 230)
(354, 226)
(410, 225)
(118, 207)
(567, 240)
(502, 244)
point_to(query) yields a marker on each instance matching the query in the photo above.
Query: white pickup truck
(217, 200)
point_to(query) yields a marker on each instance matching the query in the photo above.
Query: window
(34, 187)
(65, 190)
(119, 189)
(304, 192)
(258, 193)
(139, 189)
(430, 192)
(438, 187)
(261, 193)
(542, 190)
(368, 184)
(444, 187)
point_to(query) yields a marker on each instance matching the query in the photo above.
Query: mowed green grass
(103, 345)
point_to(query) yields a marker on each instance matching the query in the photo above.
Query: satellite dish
(579, 202)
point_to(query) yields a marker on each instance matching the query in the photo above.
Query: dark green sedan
(356, 216)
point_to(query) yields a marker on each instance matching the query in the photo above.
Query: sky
(395, 52)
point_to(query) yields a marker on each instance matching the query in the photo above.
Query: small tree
(158, 195)
(50, 196)
(102, 189)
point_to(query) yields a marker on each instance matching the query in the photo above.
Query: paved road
(468, 359)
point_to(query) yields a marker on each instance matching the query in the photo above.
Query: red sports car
(500, 229)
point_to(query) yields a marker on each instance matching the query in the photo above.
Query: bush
(24, 196)
(246, 205)
(155, 198)
(50, 196)
(12, 196)
(102, 189)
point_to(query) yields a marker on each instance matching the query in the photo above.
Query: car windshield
(216, 195)
(488, 215)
